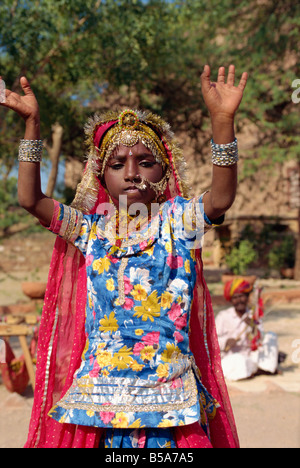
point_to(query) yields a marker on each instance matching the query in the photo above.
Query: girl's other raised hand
(25, 105)
(222, 97)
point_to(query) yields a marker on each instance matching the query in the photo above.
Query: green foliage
(282, 255)
(8, 194)
(9, 214)
(274, 248)
(86, 55)
(240, 257)
(269, 50)
(83, 56)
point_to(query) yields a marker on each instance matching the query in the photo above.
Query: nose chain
(158, 187)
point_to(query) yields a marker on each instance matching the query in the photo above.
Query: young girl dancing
(128, 354)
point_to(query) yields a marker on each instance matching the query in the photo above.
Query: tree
(46, 41)
(82, 56)
(86, 55)
(269, 47)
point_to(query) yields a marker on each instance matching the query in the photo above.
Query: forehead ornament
(128, 119)
(128, 122)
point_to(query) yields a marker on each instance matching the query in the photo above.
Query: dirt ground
(266, 408)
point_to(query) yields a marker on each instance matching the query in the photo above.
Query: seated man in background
(245, 348)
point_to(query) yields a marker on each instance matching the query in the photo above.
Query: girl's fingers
(231, 75)
(205, 78)
(243, 81)
(26, 86)
(221, 75)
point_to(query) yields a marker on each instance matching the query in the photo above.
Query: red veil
(62, 340)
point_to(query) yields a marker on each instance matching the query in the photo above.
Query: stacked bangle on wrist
(225, 155)
(30, 150)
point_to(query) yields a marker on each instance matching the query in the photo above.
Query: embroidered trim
(72, 222)
(48, 361)
(191, 400)
(121, 284)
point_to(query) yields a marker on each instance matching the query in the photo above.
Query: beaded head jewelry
(106, 132)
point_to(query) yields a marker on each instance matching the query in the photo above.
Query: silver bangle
(30, 150)
(225, 155)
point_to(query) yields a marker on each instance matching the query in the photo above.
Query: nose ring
(136, 178)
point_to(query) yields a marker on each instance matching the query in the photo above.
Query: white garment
(240, 362)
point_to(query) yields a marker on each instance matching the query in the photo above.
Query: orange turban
(236, 286)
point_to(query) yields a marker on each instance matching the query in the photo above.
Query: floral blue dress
(137, 370)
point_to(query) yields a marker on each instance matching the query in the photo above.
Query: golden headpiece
(106, 132)
(128, 132)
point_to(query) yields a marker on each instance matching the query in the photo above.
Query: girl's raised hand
(222, 98)
(26, 106)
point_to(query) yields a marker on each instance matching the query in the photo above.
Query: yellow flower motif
(104, 358)
(136, 423)
(53, 410)
(135, 366)
(100, 347)
(101, 264)
(109, 324)
(139, 332)
(122, 358)
(166, 228)
(139, 293)
(162, 370)
(120, 420)
(62, 420)
(193, 254)
(83, 230)
(166, 300)
(147, 353)
(187, 266)
(110, 284)
(165, 423)
(170, 352)
(168, 246)
(90, 414)
(90, 301)
(149, 251)
(149, 309)
(87, 343)
(105, 373)
(93, 233)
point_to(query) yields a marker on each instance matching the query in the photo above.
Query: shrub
(240, 257)
(283, 254)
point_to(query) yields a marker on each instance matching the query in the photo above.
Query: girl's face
(126, 166)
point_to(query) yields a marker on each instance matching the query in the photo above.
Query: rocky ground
(266, 408)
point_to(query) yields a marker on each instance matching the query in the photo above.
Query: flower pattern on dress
(137, 368)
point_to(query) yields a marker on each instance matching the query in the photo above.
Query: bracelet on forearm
(225, 155)
(30, 150)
